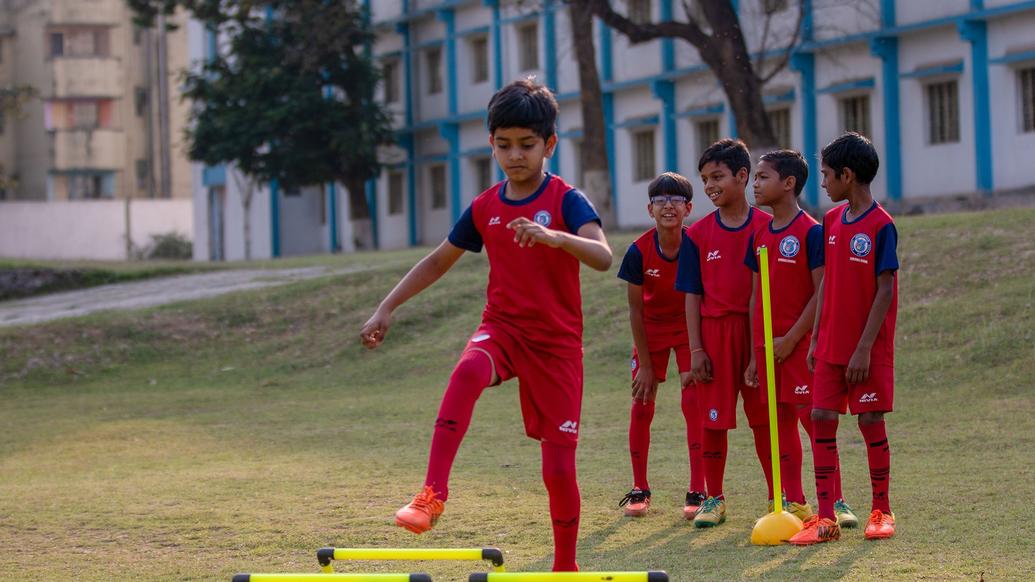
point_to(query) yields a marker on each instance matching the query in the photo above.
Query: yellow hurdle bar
(329, 577)
(326, 555)
(656, 576)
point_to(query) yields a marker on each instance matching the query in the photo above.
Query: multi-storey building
(945, 88)
(97, 129)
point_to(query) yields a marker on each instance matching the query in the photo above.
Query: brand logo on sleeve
(494, 221)
(832, 240)
(789, 246)
(654, 272)
(569, 426)
(868, 397)
(713, 256)
(861, 245)
(542, 218)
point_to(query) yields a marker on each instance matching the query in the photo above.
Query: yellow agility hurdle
(326, 555)
(330, 577)
(654, 576)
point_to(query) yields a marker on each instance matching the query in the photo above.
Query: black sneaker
(636, 502)
(694, 499)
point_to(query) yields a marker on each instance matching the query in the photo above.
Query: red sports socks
(472, 374)
(565, 503)
(694, 436)
(714, 455)
(790, 452)
(824, 454)
(640, 418)
(879, 456)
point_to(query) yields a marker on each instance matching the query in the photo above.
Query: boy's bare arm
(701, 364)
(420, 277)
(644, 385)
(806, 320)
(589, 245)
(859, 366)
(810, 359)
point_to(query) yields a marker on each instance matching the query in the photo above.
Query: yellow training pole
(779, 525)
(494, 555)
(570, 577)
(332, 577)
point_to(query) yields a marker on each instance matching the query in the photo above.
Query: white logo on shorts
(801, 389)
(713, 415)
(570, 426)
(480, 337)
(868, 397)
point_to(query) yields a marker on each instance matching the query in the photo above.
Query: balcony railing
(87, 77)
(96, 12)
(88, 149)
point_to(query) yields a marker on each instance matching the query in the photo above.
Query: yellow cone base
(775, 529)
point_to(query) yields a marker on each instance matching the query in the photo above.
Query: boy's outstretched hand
(375, 329)
(527, 233)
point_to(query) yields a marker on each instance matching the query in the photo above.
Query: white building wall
(1012, 149)
(911, 11)
(935, 169)
(303, 226)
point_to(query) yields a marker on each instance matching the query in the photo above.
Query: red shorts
(659, 360)
(550, 385)
(832, 392)
(727, 343)
(793, 379)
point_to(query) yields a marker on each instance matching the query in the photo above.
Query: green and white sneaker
(712, 513)
(846, 518)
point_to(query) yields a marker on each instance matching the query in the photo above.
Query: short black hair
(855, 151)
(524, 103)
(672, 184)
(789, 163)
(732, 152)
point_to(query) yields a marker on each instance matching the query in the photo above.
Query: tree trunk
(246, 190)
(596, 178)
(360, 214)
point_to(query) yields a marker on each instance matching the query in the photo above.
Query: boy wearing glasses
(657, 317)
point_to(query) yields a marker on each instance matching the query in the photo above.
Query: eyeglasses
(674, 200)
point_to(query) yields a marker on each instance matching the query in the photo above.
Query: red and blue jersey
(664, 308)
(711, 263)
(857, 252)
(794, 252)
(533, 291)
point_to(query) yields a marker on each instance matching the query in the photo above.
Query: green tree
(12, 99)
(289, 96)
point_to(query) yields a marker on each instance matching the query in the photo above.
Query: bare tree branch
(637, 33)
(785, 57)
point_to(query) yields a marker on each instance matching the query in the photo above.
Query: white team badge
(789, 246)
(542, 218)
(861, 245)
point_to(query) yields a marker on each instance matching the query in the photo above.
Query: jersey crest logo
(653, 272)
(789, 246)
(542, 218)
(861, 245)
(495, 220)
(713, 256)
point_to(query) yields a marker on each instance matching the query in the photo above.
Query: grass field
(242, 433)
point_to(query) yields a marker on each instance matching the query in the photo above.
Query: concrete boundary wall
(88, 229)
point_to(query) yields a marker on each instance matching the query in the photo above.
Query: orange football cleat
(816, 531)
(636, 502)
(421, 514)
(880, 526)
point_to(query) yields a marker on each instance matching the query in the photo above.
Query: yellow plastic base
(775, 528)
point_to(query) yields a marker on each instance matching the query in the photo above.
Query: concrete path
(151, 292)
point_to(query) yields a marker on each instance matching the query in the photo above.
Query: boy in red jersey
(717, 284)
(536, 230)
(658, 319)
(852, 352)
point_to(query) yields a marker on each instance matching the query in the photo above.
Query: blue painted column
(497, 59)
(805, 65)
(976, 33)
(371, 187)
(668, 48)
(274, 219)
(332, 217)
(550, 65)
(451, 133)
(731, 118)
(665, 91)
(406, 141)
(886, 48)
(606, 77)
